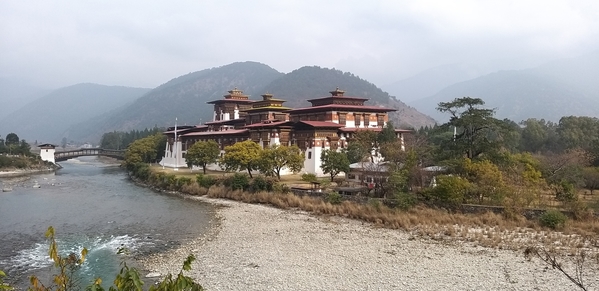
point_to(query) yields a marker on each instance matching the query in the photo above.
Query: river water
(93, 205)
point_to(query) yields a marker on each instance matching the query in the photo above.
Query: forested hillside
(312, 82)
(183, 98)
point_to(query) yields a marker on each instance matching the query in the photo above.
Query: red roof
(375, 129)
(219, 132)
(266, 124)
(321, 123)
(185, 128)
(342, 107)
(225, 121)
(231, 101)
(339, 97)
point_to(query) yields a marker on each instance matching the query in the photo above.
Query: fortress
(329, 123)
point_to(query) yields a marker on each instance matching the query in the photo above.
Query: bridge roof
(46, 145)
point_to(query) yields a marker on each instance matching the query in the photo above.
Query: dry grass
(509, 231)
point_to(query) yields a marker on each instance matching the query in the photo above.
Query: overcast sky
(146, 43)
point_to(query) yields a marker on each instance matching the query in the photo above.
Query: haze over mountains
(83, 112)
(553, 90)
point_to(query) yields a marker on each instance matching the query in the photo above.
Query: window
(357, 120)
(342, 118)
(309, 155)
(367, 120)
(380, 120)
(351, 176)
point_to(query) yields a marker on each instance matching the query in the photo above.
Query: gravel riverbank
(256, 247)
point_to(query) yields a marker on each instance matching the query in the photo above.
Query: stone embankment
(255, 247)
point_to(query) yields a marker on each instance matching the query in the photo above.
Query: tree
(3, 148)
(243, 155)
(63, 143)
(476, 130)
(356, 153)
(333, 163)
(577, 131)
(591, 178)
(145, 150)
(277, 157)
(367, 142)
(387, 135)
(12, 139)
(203, 153)
(24, 148)
(12, 142)
(538, 135)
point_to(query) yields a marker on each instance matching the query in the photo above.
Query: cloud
(146, 43)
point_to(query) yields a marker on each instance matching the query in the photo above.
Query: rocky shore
(256, 247)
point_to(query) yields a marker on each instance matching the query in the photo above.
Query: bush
(281, 188)
(334, 198)
(450, 189)
(404, 200)
(260, 183)
(553, 219)
(565, 192)
(375, 203)
(237, 182)
(309, 177)
(205, 180)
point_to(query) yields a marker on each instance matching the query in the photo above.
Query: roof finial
(337, 92)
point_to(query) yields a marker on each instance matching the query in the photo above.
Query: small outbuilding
(47, 152)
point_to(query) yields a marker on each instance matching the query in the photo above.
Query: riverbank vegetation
(475, 179)
(506, 168)
(16, 155)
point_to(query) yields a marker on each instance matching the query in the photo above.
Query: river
(94, 205)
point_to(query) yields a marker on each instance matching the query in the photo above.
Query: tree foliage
(117, 140)
(275, 158)
(333, 163)
(476, 129)
(241, 156)
(145, 150)
(203, 153)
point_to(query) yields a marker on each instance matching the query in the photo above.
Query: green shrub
(281, 188)
(205, 180)
(309, 177)
(375, 203)
(553, 219)
(565, 192)
(404, 200)
(238, 181)
(450, 189)
(333, 198)
(260, 183)
(182, 181)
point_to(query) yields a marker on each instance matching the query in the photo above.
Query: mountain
(15, 94)
(312, 82)
(560, 88)
(183, 98)
(431, 81)
(46, 119)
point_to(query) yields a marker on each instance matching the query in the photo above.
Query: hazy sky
(146, 43)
